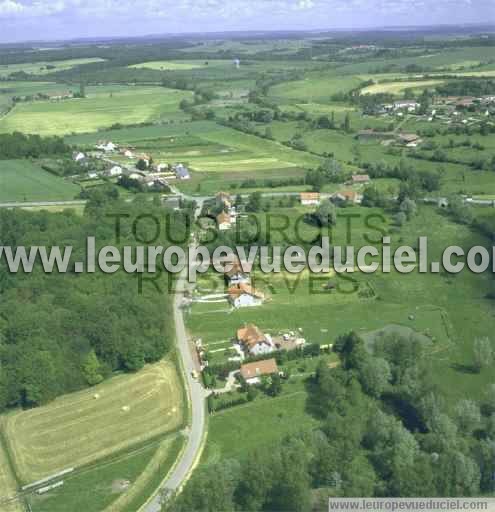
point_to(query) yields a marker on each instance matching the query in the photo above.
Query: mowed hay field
(400, 87)
(22, 180)
(103, 107)
(8, 485)
(82, 427)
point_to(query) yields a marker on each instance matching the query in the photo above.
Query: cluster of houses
(145, 171)
(447, 109)
(346, 196)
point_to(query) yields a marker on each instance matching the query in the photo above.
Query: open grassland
(43, 68)
(102, 108)
(316, 87)
(22, 180)
(399, 87)
(80, 428)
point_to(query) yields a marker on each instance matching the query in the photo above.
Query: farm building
(243, 295)
(310, 198)
(223, 221)
(254, 341)
(252, 372)
(359, 179)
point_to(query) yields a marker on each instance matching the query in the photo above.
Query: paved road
(197, 396)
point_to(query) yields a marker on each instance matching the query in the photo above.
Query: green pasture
(102, 108)
(23, 180)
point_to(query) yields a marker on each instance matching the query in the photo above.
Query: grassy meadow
(23, 180)
(121, 484)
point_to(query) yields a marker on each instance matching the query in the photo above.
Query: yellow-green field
(40, 68)
(400, 87)
(8, 485)
(177, 65)
(103, 107)
(82, 427)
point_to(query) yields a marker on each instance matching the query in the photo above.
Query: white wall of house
(245, 301)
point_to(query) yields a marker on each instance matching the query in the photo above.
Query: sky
(22, 20)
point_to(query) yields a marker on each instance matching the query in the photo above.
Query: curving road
(197, 396)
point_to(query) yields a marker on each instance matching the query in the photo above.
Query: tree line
(62, 332)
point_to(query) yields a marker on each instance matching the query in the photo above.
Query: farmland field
(8, 484)
(400, 87)
(43, 68)
(315, 87)
(22, 180)
(102, 108)
(110, 417)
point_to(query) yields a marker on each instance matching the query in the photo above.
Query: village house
(252, 372)
(360, 179)
(78, 156)
(410, 105)
(182, 172)
(346, 196)
(310, 198)
(162, 167)
(114, 171)
(108, 147)
(243, 295)
(254, 341)
(128, 153)
(410, 140)
(224, 221)
(239, 273)
(223, 199)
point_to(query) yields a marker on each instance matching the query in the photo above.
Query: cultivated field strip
(85, 426)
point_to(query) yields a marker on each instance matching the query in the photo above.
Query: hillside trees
(62, 332)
